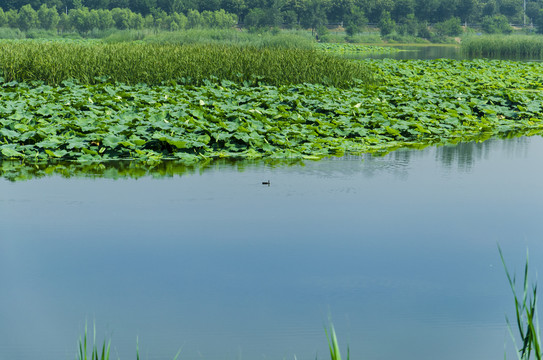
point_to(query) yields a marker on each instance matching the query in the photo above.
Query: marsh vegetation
(191, 64)
(194, 102)
(504, 46)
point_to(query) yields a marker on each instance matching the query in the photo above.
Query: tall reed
(84, 344)
(333, 345)
(526, 315)
(82, 353)
(285, 39)
(505, 46)
(132, 63)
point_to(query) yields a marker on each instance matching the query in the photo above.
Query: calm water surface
(421, 52)
(400, 250)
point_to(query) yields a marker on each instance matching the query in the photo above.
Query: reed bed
(284, 39)
(155, 64)
(505, 46)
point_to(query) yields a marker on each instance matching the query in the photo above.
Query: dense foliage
(403, 16)
(418, 103)
(496, 46)
(153, 64)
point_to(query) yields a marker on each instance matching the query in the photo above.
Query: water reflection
(426, 52)
(18, 171)
(431, 52)
(400, 248)
(461, 157)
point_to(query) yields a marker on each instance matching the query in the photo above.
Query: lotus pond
(399, 249)
(412, 104)
(150, 215)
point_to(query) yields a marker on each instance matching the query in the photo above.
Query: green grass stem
(95, 354)
(526, 315)
(504, 46)
(92, 62)
(335, 353)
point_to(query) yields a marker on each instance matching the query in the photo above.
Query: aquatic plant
(347, 48)
(285, 39)
(416, 104)
(83, 354)
(505, 46)
(153, 64)
(333, 346)
(526, 315)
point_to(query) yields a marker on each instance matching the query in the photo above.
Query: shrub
(451, 27)
(496, 25)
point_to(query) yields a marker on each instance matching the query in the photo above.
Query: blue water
(400, 250)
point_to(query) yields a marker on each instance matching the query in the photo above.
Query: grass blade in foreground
(95, 355)
(526, 313)
(335, 354)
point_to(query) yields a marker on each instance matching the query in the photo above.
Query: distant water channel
(430, 52)
(418, 52)
(399, 250)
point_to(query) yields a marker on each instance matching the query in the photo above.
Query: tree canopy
(84, 15)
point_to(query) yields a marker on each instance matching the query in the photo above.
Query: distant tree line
(82, 19)
(405, 16)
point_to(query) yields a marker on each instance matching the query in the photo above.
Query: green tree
(80, 19)
(423, 31)
(445, 10)
(513, 9)
(12, 17)
(92, 20)
(27, 18)
(77, 4)
(256, 18)
(450, 27)
(48, 17)
(497, 24)
(237, 7)
(121, 17)
(355, 22)
(3, 18)
(314, 13)
(386, 24)
(425, 10)
(209, 5)
(64, 23)
(290, 19)
(135, 21)
(407, 25)
(339, 10)
(402, 9)
(180, 19)
(158, 17)
(538, 22)
(224, 20)
(105, 19)
(374, 9)
(490, 8)
(194, 19)
(296, 6)
(532, 9)
(149, 21)
(142, 7)
(121, 4)
(467, 10)
(97, 4)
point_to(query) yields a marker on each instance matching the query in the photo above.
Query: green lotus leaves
(417, 103)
